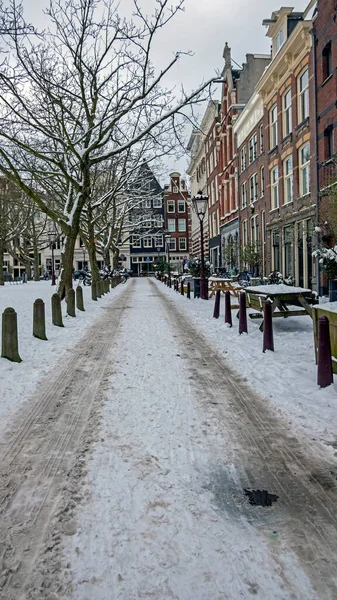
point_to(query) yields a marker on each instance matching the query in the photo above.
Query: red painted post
(268, 337)
(228, 310)
(188, 290)
(243, 314)
(324, 364)
(216, 312)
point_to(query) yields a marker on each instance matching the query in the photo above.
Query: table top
(217, 279)
(276, 290)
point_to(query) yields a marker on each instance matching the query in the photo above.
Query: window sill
(326, 80)
(304, 196)
(273, 150)
(288, 203)
(287, 139)
(302, 125)
(274, 210)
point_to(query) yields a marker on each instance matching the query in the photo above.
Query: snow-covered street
(124, 477)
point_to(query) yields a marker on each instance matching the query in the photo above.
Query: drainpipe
(314, 58)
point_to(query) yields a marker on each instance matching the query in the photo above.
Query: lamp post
(52, 238)
(83, 250)
(168, 240)
(200, 203)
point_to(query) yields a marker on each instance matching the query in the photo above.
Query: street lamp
(52, 235)
(168, 239)
(200, 203)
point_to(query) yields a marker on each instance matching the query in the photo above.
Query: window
(303, 93)
(171, 205)
(327, 61)
(175, 188)
(328, 142)
(244, 194)
(181, 224)
(262, 181)
(147, 241)
(136, 241)
(287, 120)
(254, 188)
(171, 225)
(279, 40)
(273, 126)
(254, 231)
(182, 244)
(147, 203)
(156, 202)
(172, 244)
(244, 233)
(252, 148)
(274, 188)
(276, 251)
(158, 241)
(304, 160)
(288, 179)
(158, 221)
(261, 139)
(243, 158)
(181, 206)
(288, 258)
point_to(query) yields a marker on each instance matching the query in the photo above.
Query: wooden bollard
(268, 337)
(98, 289)
(182, 288)
(94, 291)
(228, 309)
(70, 299)
(56, 312)
(170, 283)
(324, 363)
(216, 312)
(243, 314)
(79, 298)
(39, 320)
(188, 295)
(10, 344)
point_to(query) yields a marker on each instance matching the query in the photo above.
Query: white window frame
(147, 203)
(304, 171)
(273, 125)
(158, 241)
(288, 176)
(147, 241)
(171, 225)
(303, 97)
(172, 244)
(287, 113)
(253, 188)
(274, 179)
(244, 194)
(184, 207)
(244, 233)
(183, 239)
(279, 40)
(243, 159)
(261, 139)
(181, 223)
(170, 204)
(157, 203)
(262, 181)
(136, 241)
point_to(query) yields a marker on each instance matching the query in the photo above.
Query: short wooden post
(182, 288)
(10, 344)
(188, 295)
(243, 314)
(93, 291)
(268, 337)
(216, 312)
(79, 298)
(228, 309)
(70, 299)
(56, 312)
(324, 363)
(39, 320)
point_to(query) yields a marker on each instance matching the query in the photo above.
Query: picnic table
(224, 285)
(283, 298)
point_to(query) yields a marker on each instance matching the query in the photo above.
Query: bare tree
(77, 95)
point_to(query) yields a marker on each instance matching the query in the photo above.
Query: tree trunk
(115, 258)
(66, 279)
(106, 258)
(2, 282)
(36, 254)
(92, 248)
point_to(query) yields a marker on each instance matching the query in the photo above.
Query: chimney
(227, 56)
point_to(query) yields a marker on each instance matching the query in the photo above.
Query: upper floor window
(274, 188)
(287, 120)
(254, 188)
(328, 142)
(261, 139)
(158, 241)
(147, 242)
(262, 181)
(181, 206)
(243, 158)
(273, 126)
(172, 244)
(171, 225)
(327, 61)
(303, 93)
(182, 243)
(171, 206)
(304, 160)
(136, 241)
(244, 194)
(156, 202)
(288, 179)
(147, 203)
(175, 188)
(279, 41)
(181, 224)
(253, 148)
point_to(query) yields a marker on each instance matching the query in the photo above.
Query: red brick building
(177, 220)
(212, 171)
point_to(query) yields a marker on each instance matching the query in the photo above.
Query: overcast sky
(203, 28)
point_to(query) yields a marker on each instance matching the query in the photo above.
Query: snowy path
(154, 504)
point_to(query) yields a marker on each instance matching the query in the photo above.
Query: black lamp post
(200, 203)
(52, 238)
(168, 240)
(83, 250)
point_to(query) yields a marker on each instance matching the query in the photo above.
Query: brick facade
(177, 219)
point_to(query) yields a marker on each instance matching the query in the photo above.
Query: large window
(261, 139)
(328, 142)
(254, 188)
(172, 244)
(279, 41)
(171, 225)
(244, 195)
(276, 251)
(243, 158)
(158, 241)
(274, 188)
(181, 206)
(327, 61)
(156, 202)
(253, 148)
(136, 241)
(273, 126)
(288, 251)
(303, 93)
(181, 224)
(182, 244)
(262, 181)
(147, 241)
(171, 206)
(287, 120)
(147, 203)
(254, 231)
(288, 179)
(244, 233)
(304, 162)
